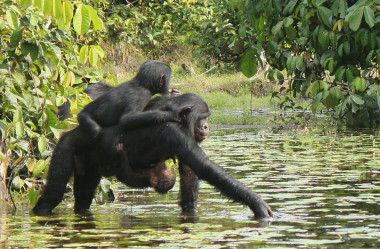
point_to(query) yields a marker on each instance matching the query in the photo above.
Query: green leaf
(31, 49)
(57, 9)
(82, 20)
(277, 27)
(39, 167)
(46, 6)
(288, 21)
(359, 84)
(378, 96)
(357, 99)
(20, 129)
(12, 19)
(93, 56)
(42, 144)
(333, 98)
(369, 16)
(33, 196)
(96, 21)
(355, 19)
(326, 15)
(323, 39)
(16, 37)
(67, 15)
(83, 54)
(291, 32)
(249, 64)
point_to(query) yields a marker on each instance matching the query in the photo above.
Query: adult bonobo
(148, 146)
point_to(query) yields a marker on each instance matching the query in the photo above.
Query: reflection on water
(324, 189)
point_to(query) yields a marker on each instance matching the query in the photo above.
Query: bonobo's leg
(84, 189)
(189, 187)
(60, 170)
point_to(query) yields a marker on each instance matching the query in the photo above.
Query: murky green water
(324, 190)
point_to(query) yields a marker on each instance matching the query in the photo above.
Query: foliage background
(328, 51)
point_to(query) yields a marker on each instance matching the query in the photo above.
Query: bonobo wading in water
(148, 146)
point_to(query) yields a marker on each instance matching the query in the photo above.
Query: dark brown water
(324, 190)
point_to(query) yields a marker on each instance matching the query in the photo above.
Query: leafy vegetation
(42, 43)
(328, 49)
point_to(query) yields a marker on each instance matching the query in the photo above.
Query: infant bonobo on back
(132, 96)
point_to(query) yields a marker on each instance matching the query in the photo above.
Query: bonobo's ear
(162, 80)
(185, 112)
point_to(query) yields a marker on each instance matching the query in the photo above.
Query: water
(324, 190)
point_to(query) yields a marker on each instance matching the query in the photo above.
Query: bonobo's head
(194, 113)
(162, 178)
(155, 76)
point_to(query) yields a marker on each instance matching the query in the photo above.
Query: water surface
(323, 188)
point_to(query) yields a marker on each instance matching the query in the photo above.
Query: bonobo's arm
(139, 119)
(189, 153)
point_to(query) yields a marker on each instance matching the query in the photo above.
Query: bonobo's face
(202, 130)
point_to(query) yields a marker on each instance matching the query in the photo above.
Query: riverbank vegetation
(323, 52)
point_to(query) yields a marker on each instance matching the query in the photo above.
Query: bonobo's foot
(261, 210)
(82, 211)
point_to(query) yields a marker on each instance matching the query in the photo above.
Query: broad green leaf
(2, 156)
(288, 21)
(96, 21)
(357, 99)
(299, 62)
(249, 64)
(20, 129)
(378, 96)
(369, 16)
(340, 73)
(25, 3)
(349, 75)
(65, 21)
(39, 167)
(42, 144)
(68, 79)
(17, 117)
(46, 6)
(323, 39)
(57, 9)
(93, 56)
(51, 117)
(12, 19)
(16, 37)
(82, 20)
(359, 84)
(355, 19)
(31, 49)
(326, 15)
(83, 54)
(277, 27)
(33, 196)
(291, 32)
